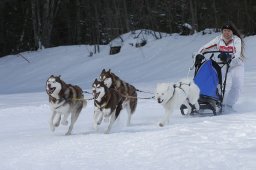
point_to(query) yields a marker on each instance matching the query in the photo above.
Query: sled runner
(208, 77)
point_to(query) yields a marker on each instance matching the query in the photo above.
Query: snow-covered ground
(224, 142)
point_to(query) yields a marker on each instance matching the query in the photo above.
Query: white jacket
(218, 44)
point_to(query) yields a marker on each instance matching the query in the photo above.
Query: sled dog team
(112, 95)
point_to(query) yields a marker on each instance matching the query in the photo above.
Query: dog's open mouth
(96, 95)
(50, 90)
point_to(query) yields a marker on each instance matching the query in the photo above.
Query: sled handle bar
(207, 52)
(212, 52)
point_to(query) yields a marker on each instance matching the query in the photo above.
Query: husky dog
(107, 104)
(64, 99)
(172, 96)
(127, 91)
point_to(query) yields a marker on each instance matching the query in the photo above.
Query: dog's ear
(109, 70)
(94, 82)
(103, 71)
(58, 78)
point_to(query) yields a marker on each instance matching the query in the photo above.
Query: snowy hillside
(224, 142)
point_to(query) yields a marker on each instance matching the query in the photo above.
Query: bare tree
(126, 19)
(193, 12)
(78, 17)
(215, 15)
(43, 14)
(34, 24)
(96, 35)
(250, 21)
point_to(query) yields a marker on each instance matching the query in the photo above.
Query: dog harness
(101, 106)
(178, 86)
(61, 102)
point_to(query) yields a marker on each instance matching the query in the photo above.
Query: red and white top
(218, 44)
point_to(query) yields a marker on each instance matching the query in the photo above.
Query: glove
(199, 59)
(225, 57)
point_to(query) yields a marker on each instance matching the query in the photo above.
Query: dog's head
(98, 89)
(53, 85)
(164, 92)
(106, 77)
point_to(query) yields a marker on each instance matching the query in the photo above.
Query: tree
(34, 24)
(193, 11)
(43, 15)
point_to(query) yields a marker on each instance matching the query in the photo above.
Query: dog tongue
(50, 90)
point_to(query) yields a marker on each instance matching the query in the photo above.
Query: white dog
(172, 96)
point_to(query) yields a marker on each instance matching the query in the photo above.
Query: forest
(27, 25)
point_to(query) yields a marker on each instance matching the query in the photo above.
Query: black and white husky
(107, 104)
(126, 90)
(172, 96)
(64, 99)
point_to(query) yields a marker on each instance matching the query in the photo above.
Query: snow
(224, 142)
(187, 26)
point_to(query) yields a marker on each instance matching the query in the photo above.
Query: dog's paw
(68, 133)
(56, 124)
(161, 124)
(65, 123)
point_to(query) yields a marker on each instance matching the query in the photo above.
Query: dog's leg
(165, 119)
(197, 106)
(74, 116)
(52, 125)
(64, 119)
(128, 109)
(112, 119)
(56, 119)
(186, 103)
(106, 115)
(98, 117)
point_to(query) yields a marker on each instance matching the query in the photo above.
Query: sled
(212, 84)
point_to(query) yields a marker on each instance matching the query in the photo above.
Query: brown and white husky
(126, 90)
(107, 104)
(64, 99)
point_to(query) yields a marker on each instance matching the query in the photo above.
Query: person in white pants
(230, 40)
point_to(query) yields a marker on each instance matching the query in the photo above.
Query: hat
(228, 26)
